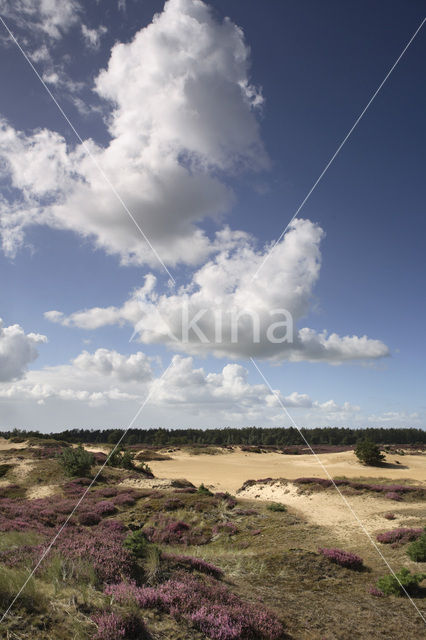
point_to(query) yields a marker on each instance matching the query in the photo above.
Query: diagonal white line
(344, 499)
(56, 536)
(89, 153)
(341, 145)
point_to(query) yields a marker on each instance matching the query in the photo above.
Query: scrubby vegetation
(403, 581)
(76, 462)
(276, 506)
(343, 558)
(416, 551)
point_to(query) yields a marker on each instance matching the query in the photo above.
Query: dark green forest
(254, 436)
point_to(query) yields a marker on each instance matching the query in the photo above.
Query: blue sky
(213, 116)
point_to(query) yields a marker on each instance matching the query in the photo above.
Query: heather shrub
(76, 462)
(173, 504)
(115, 626)
(89, 518)
(167, 531)
(245, 512)
(416, 551)
(393, 495)
(276, 506)
(391, 585)
(343, 558)
(389, 516)
(196, 564)
(401, 535)
(102, 547)
(225, 527)
(207, 605)
(104, 508)
(374, 591)
(124, 499)
(230, 500)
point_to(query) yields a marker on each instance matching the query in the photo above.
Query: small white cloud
(17, 351)
(92, 37)
(52, 18)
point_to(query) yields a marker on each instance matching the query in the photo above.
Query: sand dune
(228, 471)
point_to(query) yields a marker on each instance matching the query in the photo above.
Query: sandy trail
(228, 471)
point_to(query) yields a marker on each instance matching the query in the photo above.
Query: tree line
(254, 436)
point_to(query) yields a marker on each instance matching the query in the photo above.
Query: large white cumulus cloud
(17, 350)
(182, 116)
(224, 288)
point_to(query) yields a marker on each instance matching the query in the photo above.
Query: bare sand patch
(94, 449)
(327, 508)
(5, 445)
(227, 472)
(43, 491)
(146, 483)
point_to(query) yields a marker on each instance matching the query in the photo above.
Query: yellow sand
(228, 471)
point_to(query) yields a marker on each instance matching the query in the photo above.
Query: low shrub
(246, 512)
(167, 531)
(276, 506)
(225, 527)
(197, 564)
(124, 500)
(173, 504)
(389, 516)
(393, 495)
(115, 626)
(401, 535)
(89, 518)
(343, 558)
(230, 500)
(391, 585)
(416, 551)
(102, 547)
(206, 604)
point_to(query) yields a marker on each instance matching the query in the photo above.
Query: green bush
(76, 462)
(137, 544)
(416, 551)
(391, 586)
(121, 459)
(276, 506)
(368, 453)
(203, 490)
